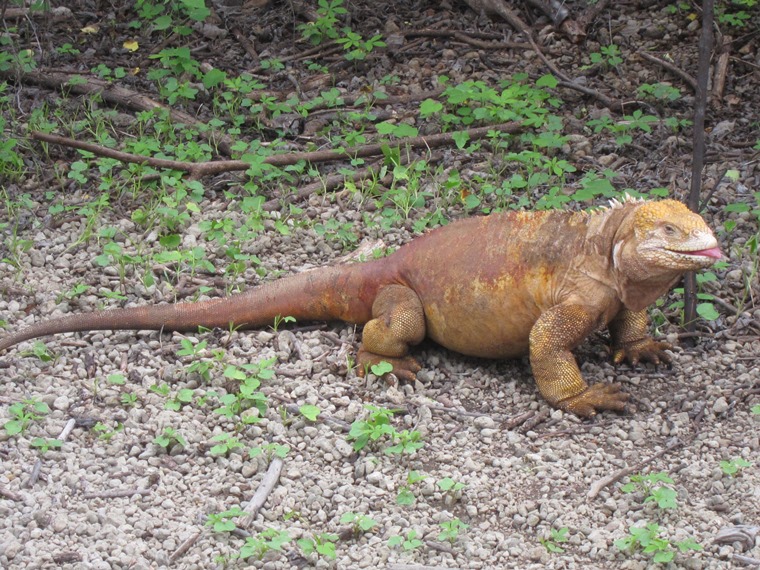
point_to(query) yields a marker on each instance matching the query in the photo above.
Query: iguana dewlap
(497, 286)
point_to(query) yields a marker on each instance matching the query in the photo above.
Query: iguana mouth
(713, 252)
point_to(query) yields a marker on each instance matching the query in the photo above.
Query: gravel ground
(126, 502)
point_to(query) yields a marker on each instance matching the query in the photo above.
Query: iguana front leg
(553, 336)
(398, 322)
(631, 340)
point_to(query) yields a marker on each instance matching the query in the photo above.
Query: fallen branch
(185, 546)
(262, 493)
(678, 72)
(609, 479)
(199, 169)
(116, 493)
(470, 38)
(37, 468)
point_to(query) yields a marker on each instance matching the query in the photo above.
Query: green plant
(325, 26)
(11, 163)
(408, 542)
(738, 18)
(333, 230)
(310, 412)
(248, 397)
(356, 47)
(450, 530)
(24, 413)
(104, 432)
(259, 544)
(271, 450)
(183, 397)
(733, 466)
(45, 445)
(648, 540)
(622, 129)
(129, 399)
(169, 438)
(607, 55)
(279, 319)
(449, 485)
(705, 308)
(322, 544)
(359, 523)
(558, 536)
(222, 522)
(39, 351)
(375, 426)
(659, 92)
(405, 442)
(664, 496)
(405, 494)
(169, 15)
(225, 444)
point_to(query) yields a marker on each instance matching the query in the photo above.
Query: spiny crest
(626, 199)
(614, 204)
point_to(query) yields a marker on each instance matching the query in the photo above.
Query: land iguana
(498, 286)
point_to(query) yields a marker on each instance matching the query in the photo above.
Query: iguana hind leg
(398, 322)
(555, 334)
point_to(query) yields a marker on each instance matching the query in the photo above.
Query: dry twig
(604, 481)
(199, 169)
(262, 493)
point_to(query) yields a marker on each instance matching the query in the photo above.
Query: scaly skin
(497, 287)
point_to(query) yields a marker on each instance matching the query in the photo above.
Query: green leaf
(665, 497)
(385, 128)
(430, 107)
(14, 427)
(234, 372)
(460, 138)
(547, 80)
(171, 241)
(162, 23)
(213, 77)
(405, 130)
(381, 368)
(310, 412)
(664, 557)
(707, 311)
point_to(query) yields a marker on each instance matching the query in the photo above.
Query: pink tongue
(713, 252)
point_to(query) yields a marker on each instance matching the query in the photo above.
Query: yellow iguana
(498, 286)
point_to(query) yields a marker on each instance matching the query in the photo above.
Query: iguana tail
(343, 292)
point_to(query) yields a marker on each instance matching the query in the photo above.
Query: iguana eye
(669, 230)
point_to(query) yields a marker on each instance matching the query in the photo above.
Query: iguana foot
(405, 368)
(644, 350)
(593, 398)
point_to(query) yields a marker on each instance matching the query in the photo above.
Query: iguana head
(671, 237)
(654, 244)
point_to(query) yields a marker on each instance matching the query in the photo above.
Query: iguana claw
(644, 350)
(404, 368)
(595, 397)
